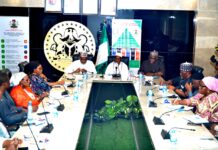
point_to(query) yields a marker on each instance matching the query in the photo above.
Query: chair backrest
(123, 59)
(22, 65)
(76, 57)
(197, 69)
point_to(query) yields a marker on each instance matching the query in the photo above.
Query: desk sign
(14, 38)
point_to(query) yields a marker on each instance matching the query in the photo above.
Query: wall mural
(66, 39)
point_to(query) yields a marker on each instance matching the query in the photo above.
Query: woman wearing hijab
(206, 101)
(22, 93)
(39, 83)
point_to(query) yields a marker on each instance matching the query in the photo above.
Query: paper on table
(196, 119)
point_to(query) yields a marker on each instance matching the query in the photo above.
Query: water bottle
(150, 97)
(173, 136)
(29, 113)
(75, 96)
(164, 99)
(140, 78)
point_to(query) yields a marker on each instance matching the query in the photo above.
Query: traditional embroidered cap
(17, 77)
(186, 66)
(119, 54)
(154, 53)
(83, 54)
(211, 83)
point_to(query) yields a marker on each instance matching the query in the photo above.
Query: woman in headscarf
(39, 83)
(21, 93)
(206, 101)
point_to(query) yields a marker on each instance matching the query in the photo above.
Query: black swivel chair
(22, 65)
(197, 69)
(123, 59)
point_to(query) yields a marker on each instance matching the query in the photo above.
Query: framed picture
(108, 7)
(90, 6)
(71, 7)
(53, 6)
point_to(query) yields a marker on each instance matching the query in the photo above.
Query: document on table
(196, 119)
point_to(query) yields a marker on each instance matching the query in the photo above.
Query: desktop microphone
(65, 92)
(166, 134)
(172, 96)
(61, 106)
(159, 121)
(33, 136)
(49, 127)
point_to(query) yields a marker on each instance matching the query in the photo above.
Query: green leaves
(119, 108)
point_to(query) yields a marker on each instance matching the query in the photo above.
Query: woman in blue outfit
(39, 83)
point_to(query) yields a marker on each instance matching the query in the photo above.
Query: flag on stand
(103, 52)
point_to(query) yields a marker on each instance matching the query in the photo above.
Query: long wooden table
(67, 124)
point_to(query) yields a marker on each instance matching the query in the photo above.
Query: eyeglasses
(202, 86)
(26, 80)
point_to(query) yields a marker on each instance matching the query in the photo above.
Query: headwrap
(119, 54)
(186, 66)
(211, 83)
(17, 77)
(83, 54)
(30, 67)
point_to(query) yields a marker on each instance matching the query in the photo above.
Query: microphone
(49, 127)
(33, 135)
(166, 134)
(116, 75)
(61, 106)
(172, 96)
(65, 92)
(159, 121)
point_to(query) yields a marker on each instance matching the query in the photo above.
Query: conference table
(67, 123)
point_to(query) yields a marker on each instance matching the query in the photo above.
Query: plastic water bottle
(173, 136)
(140, 78)
(75, 96)
(164, 99)
(149, 97)
(29, 113)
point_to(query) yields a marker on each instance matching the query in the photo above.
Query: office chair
(197, 69)
(22, 65)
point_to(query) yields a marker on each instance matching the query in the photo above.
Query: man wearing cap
(192, 88)
(152, 66)
(81, 65)
(117, 67)
(178, 84)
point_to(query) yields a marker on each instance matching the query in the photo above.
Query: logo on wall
(66, 39)
(13, 23)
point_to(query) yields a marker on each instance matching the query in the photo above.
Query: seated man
(82, 65)
(152, 66)
(117, 67)
(178, 84)
(192, 88)
(10, 114)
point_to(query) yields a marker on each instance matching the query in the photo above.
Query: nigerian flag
(103, 52)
